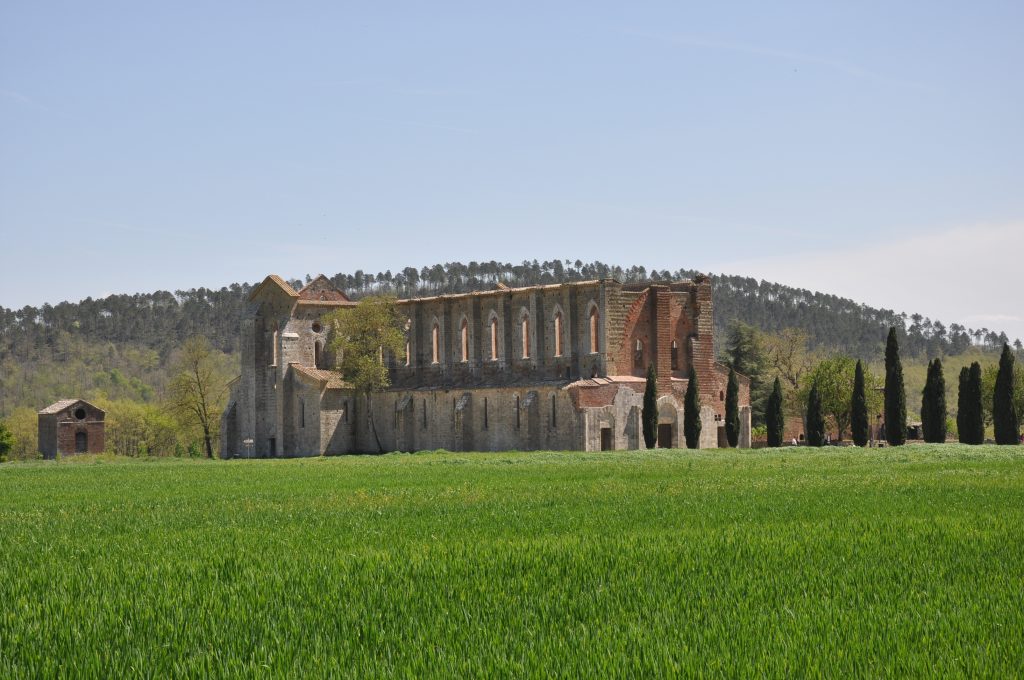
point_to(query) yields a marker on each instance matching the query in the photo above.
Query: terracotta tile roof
(330, 379)
(275, 280)
(616, 380)
(606, 380)
(58, 406)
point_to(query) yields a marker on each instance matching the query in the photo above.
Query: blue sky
(170, 145)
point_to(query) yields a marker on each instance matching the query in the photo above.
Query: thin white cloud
(844, 67)
(969, 274)
(16, 96)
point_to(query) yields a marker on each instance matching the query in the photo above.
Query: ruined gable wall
(538, 305)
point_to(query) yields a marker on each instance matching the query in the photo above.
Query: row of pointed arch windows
(559, 344)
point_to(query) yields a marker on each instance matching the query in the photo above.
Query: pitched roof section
(328, 379)
(273, 282)
(321, 289)
(58, 406)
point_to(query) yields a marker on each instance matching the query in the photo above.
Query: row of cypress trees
(970, 419)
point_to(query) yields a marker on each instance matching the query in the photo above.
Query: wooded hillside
(119, 345)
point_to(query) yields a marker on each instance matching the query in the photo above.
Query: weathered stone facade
(71, 426)
(544, 367)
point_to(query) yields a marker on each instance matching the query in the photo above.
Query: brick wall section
(664, 333)
(613, 321)
(58, 431)
(636, 322)
(702, 345)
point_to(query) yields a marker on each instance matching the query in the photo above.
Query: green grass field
(833, 562)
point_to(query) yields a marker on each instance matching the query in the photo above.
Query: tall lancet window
(558, 334)
(464, 340)
(494, 339)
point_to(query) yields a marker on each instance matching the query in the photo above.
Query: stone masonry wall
(483, 419)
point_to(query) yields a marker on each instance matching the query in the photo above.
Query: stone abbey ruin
(558, 367)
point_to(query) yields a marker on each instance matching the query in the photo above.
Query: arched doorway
(668, 423)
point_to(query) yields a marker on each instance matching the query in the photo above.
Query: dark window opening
(317, 327)
(302, 413)
(424, 414)
(80, 413)
(638, 355)
(675, 355)
(606, 439)
(81, 442)
(554, 413)
(485, 413)
(517, 412)
(273, 446)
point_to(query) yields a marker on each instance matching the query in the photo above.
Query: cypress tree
(939, 409)
(933, 404)
(649, 414)
(962, 406)
(926, 402)
(974, 420)
(859, 408)
(774, 417)
(691, 412)
(1004, 413)
(732, 409)
(815, 421)
(895, 395)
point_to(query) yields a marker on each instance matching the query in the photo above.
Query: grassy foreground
(880, 563)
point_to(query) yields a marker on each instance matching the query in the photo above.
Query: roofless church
(543, 367)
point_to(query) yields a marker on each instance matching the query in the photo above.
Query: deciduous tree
(6, 441)
(198, 390)
(835, 378)
(361, 336)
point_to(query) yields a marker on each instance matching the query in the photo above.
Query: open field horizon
(898, 561)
